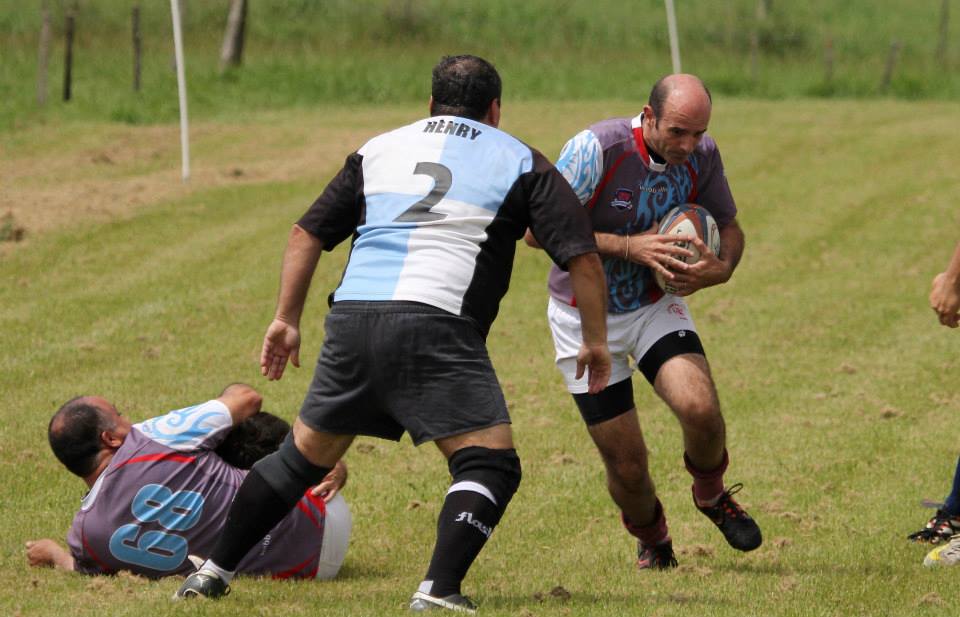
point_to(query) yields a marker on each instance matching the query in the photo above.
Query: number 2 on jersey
(420, 211)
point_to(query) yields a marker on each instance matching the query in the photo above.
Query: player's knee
(288, 472)
(702, 415)
(630, 472)
(498, 472)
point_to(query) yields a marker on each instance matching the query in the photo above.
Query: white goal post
(672, 29)
(181, 88)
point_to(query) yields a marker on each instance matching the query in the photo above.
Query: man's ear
(111, 439)
(648, 114)
(430, 105)
(493, 114)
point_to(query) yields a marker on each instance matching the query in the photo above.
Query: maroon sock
(652, 534)
(707, 485)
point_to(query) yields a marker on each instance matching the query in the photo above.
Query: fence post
(891, 64)
(761, 17)
(135, 25)
(231, 53)
(43, 55)
(828, 60)
(944, 22)
(68, 53)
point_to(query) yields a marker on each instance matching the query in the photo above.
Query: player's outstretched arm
(282, 340)
(590, 288)
(242, 401)
(46, 553)
(945, 292)
(711, 270)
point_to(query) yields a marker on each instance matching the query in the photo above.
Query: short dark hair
(251, 440)
(74, 434)
(464, 86)
(659, 93)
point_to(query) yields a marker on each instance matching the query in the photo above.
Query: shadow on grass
(361, 571)
(612, 602)
(800, 567)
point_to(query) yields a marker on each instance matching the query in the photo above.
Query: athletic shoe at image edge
(656, 557)
(947, 554)
(741, 531)
(425, 602)
(202, 584)
(938, 529)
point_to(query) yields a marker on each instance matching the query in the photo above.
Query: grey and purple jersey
(626, 192)
(165, 495)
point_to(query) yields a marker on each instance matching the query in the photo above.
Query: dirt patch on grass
(62, 176)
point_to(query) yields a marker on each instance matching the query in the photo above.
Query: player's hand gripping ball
(693, 220)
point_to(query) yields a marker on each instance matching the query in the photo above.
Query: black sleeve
(335, 215)
(557, 219)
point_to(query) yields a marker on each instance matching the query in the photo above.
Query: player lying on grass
(160, 491)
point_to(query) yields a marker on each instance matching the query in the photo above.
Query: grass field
(300, 52)
(837, 382)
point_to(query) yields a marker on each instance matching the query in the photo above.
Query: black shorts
(390, 367)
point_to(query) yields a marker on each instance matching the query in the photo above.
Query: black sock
(254, 512)
(466, 521)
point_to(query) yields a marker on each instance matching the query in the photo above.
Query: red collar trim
(642, 149)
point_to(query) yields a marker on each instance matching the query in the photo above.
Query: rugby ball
(693, 220)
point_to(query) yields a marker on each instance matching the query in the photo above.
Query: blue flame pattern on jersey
(187, 428)
(630, 285)
(581, 163)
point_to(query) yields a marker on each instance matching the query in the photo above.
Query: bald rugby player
(628, 173)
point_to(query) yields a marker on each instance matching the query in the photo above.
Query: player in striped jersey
(628, 173)
(434, 210)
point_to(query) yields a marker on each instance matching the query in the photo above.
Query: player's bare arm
(46, 553)
(659, 252)
(711, 270)
(945, 292)
(589, 286)
(656, 251)
(242, 401)
(282, 340)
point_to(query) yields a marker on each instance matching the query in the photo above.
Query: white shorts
(336, 538)
(628, 334)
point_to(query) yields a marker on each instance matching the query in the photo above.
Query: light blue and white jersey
(432, 188)
(436, 208)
